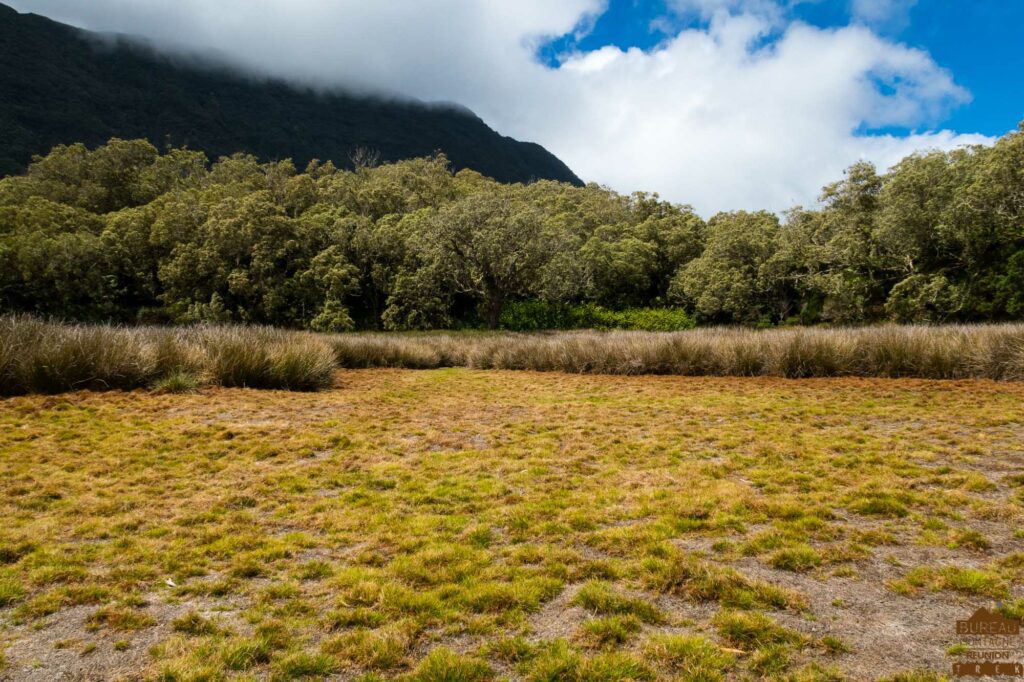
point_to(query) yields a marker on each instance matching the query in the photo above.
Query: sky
(720, 104)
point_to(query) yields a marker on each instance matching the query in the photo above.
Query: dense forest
(60, 85)
(124, 232)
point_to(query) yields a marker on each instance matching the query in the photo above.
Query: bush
(540, 315)
(176, 382)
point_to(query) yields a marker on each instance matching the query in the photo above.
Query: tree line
(124, 232)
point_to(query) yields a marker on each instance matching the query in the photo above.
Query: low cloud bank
(742, 109)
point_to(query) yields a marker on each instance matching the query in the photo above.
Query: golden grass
(947, 352)
(46, 357)
(427, 525)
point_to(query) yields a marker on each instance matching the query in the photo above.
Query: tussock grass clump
(10, 593)
(698, 580)
(609, 630)
(375, 650)
(561, 663)
(408, 351)
(444, 665)
(260, 357)
(177, 382)
(753, 630)
(37, 356)
(800, 558)
(599, 597)
(41, 357)
(244, 653)
(303, 664)
(119, 619)
(943, 352)
(954, 578)
(692, 656)
(194, 624)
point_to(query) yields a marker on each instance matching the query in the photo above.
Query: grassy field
(460, 525)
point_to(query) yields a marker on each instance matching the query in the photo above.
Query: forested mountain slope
(59, 85)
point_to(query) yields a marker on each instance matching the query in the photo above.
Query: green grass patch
(601, 598)
(953, 578)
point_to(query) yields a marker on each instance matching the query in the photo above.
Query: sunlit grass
(462, 524)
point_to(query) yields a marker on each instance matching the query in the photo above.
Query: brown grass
(49, 357)
(948, 352)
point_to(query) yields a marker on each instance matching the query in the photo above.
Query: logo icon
(993, 641)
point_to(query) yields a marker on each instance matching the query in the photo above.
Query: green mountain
(60, 84)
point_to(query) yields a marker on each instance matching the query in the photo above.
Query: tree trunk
(495, 304)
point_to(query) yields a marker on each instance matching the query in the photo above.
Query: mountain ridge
(61, 84)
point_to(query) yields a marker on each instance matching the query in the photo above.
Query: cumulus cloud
(743, 110)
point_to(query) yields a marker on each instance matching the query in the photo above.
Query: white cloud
(892, 14)
(712, 117)
(771, 12)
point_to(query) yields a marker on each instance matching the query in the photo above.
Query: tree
(491, 247)
(727, 283)
(53, 261)
(126, 232)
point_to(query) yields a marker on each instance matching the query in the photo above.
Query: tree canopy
(126, 232)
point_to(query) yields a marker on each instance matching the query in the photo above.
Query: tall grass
(949, 352)
(49, 357)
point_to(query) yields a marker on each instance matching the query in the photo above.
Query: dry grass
(44, 357)
(949, 352)
(476, 525)
(47, 357)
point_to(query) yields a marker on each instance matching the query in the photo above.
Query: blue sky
(981, 42)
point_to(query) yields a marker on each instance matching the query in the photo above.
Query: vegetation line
(946, 352)
(129, 234)
(50, 357)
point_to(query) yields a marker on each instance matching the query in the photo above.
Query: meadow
(467, 524)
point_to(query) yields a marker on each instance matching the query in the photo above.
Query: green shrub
(540, 315)
(177, 382)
